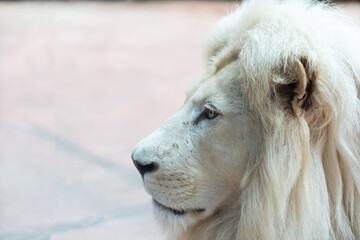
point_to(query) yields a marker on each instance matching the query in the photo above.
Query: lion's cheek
(171, 186)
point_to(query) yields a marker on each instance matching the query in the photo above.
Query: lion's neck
(221, 225)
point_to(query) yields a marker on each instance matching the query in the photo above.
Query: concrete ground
(80, 84)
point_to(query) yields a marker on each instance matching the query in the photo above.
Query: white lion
(267, 144)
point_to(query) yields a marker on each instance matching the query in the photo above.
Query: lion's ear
(295, 93)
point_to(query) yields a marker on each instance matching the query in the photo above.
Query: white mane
(306, 184)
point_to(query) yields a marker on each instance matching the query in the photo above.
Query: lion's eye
(210, 113)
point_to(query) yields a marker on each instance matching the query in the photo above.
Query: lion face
(266, 145)
(193, 163)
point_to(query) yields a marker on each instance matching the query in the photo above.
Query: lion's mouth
(176, 211)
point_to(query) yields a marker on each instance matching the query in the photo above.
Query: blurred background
(80, 84)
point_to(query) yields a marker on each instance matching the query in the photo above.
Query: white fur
(259, 171)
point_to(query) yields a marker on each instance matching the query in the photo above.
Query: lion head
(266, 145)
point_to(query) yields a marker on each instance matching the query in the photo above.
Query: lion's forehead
(218, 86)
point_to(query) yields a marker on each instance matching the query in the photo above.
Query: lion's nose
(144, 167)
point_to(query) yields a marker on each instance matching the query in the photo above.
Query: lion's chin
(178, 212)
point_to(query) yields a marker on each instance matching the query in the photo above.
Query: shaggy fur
(295, 173)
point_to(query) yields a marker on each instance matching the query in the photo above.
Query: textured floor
(80, 84)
